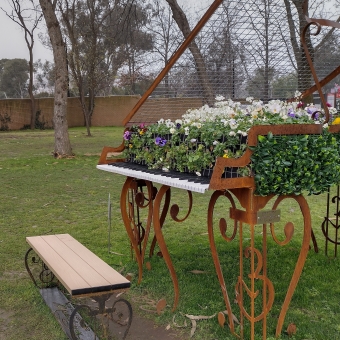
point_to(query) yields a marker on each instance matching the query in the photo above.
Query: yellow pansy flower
(336, 121)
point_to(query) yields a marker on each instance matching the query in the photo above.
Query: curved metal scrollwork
(332, 222)
(133, 199)
(164, 194)
(223, 228)
(174, 210)
(37, 270)
(289, 230)
(96, 322)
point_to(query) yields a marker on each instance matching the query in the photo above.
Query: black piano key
(190, 177)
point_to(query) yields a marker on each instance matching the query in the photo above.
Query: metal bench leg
(99, 320)
(37, 270)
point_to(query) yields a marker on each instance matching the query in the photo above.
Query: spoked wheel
(84, 324)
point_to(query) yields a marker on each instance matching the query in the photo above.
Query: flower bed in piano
(280, 164)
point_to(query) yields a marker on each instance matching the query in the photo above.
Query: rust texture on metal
(133, 200)
(107, 150)
(158, 219)
(250, 283)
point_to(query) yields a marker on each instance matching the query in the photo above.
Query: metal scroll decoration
(317, 24)
(100, 319)
(253, 283)
(330, 226)
(158, 220)
(132, 201)
(40, 274)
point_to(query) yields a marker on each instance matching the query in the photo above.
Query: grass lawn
(39, 195)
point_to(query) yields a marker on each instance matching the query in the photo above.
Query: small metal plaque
(268, 216)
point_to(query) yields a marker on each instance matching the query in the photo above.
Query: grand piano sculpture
(245, 207)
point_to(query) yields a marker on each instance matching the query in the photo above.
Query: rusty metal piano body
(243, 207)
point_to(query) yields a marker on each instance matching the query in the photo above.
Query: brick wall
(109, 111)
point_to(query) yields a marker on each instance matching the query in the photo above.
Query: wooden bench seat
(79, 270)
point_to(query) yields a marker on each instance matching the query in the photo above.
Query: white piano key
(155, 178)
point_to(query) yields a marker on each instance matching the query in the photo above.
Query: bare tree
(62, 145)
(183, 24)
(27, 16)
(296, 11)
(165, 34)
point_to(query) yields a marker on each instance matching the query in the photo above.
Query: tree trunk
(62, 145)
(183, 24)
(30, 90)
(303, 69)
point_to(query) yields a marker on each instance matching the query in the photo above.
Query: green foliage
(14, 77)
(161, 147)
(285, 86)
(292, 164)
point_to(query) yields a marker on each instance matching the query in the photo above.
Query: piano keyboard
(180, 180)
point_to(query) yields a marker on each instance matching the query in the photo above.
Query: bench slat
(76, 267)
(105, 270)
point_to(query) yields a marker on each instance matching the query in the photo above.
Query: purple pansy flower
(127, 135)
(291, 113)
(178, 125)
(160, 141)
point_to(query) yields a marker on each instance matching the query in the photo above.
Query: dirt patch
(145, 329)
(5, 319)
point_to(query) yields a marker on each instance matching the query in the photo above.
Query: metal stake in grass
(109, 223)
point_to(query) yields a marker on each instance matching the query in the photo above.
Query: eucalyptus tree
(27, 15)
(62, 145)
(101, 35)
(13, 78)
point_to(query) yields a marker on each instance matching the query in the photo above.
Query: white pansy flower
(172, 130)
(297, 94)
(219, 98)
(233, 124)
(161, 121)
(232, 133)
(193, 140)
(186, 130)
(215, 142)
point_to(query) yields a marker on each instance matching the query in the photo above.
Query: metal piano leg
(132, 200)
(255, 286)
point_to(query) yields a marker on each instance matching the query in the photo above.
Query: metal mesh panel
(247, 50)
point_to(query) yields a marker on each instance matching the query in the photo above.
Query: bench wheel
(83, 321)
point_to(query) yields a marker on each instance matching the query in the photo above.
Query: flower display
(192, 143)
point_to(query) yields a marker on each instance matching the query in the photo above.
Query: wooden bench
(80, 272)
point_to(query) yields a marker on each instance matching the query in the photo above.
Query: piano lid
(237, 49)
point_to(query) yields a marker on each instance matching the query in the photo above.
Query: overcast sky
(13, 45)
